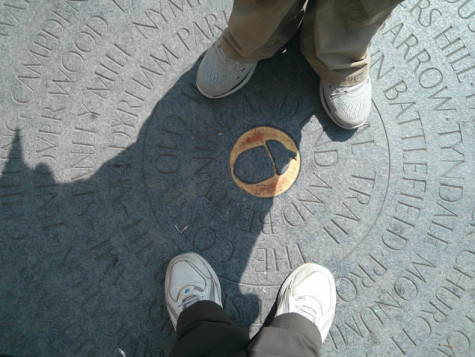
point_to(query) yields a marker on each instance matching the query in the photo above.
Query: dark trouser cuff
(203, 329)
(198, 312)
(298, 323)
(288, 335)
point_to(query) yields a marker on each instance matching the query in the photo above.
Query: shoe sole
(233, 90)
(327, 110)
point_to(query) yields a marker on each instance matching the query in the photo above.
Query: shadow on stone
(82, 272)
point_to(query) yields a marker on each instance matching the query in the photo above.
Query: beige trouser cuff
(334, 40)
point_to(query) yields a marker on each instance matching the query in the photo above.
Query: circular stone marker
(111, 163)
(337, 180)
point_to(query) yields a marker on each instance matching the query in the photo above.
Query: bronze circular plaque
(277, 184)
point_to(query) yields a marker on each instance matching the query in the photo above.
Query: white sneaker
(219, 75)
(309, 291)
(189, 279)
(348, 107)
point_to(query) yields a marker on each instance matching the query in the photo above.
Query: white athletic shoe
(219, 75)
(189, 279)
(348, 107)
(309, 291)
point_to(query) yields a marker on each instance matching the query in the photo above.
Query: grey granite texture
(111, 163)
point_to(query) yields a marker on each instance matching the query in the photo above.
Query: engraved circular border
(277, 184)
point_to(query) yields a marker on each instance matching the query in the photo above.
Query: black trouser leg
(204, 329)
(288, 335)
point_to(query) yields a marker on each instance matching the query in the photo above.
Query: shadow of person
(83, 263)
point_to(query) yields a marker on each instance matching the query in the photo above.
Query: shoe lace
(335, 90)
(305, 308)
(189, 300)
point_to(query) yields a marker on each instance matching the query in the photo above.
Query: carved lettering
(455, 51)
(109, 70)
(425, 12)
(10, 16)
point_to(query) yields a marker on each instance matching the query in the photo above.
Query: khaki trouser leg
(258, 28)
(336, 35)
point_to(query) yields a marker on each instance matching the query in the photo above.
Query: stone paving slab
(112, 163)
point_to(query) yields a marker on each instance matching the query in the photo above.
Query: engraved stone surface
(111, 163)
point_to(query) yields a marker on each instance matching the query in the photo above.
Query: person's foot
(348, 107)
(219, 75)
(309, 291)
(189, 279)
